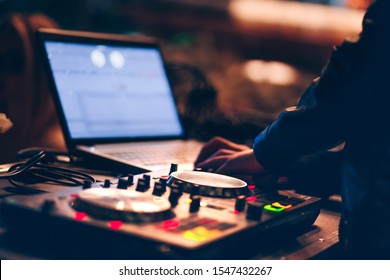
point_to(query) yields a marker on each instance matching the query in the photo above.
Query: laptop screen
(113, 91)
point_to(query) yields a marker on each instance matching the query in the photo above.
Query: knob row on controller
(253, 210)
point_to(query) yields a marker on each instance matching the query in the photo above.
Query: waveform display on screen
(113, 91)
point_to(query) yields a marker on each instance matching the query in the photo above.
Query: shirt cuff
(266, 155)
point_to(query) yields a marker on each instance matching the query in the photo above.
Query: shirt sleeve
(334, 104)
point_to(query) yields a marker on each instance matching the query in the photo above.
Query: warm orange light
(306, 20)
(358, 4)
(296, 14)
(272, 72)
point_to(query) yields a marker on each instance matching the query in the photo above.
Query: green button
(270, 208)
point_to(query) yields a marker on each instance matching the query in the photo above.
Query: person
(349, 105)
(24, 91)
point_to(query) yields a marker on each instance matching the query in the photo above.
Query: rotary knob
(254, 210)
(122, 184)
(87, 184)
(130, 179)
(147, 178)
(164, 181)
(195, 190)
(159, 189)
(178, 184)
(142, 185)
(48, 206)
(174, 196)
(240, 203)
(107, 184)
(173, 168)
(195, 203)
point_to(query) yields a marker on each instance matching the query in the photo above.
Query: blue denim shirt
(349, 102)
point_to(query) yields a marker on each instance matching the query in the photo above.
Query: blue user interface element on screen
(113, 91)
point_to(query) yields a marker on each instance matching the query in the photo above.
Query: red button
(170, 224)
(116, 225)
(251, 198)
(78, 216)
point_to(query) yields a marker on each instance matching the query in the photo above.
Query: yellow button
(190, 235)
(277, 204)
(205, 232)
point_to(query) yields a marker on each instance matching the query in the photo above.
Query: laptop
(114, 99)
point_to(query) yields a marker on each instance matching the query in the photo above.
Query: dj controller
(187, 214)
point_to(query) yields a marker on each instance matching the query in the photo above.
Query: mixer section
(182, 215)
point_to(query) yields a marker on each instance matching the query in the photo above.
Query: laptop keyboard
(157, 156)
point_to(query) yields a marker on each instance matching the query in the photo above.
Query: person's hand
(5, 123)
(226, 157)
(216, 147)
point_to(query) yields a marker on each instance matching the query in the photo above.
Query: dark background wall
(248, 65)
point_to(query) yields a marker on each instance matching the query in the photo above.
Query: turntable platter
(208, 184)
(123, 205)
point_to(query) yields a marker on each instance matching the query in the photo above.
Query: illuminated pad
(169, 224)
(197, 229)
(193, 236)
(274, 209)
(279, 205)
(205, 232)
(200, 234)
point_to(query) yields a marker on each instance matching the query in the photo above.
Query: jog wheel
(207, 184)
(124, 205)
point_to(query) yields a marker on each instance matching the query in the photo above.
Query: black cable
(31, 171)
(20, 168)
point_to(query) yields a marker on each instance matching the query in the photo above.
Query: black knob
(254, 210)
(173, 168)
(159, 189)
(142, 185)
(147, 181)
(195, 190)
(240, 203)
(87, 184)
(174, 196)
(164, 181)
(130, 179)
(122, 184)
(48, 205)
(195, 203)
(147, 178)
(107, 184)
(178, 185)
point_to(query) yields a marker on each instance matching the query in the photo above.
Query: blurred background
(258, 55)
